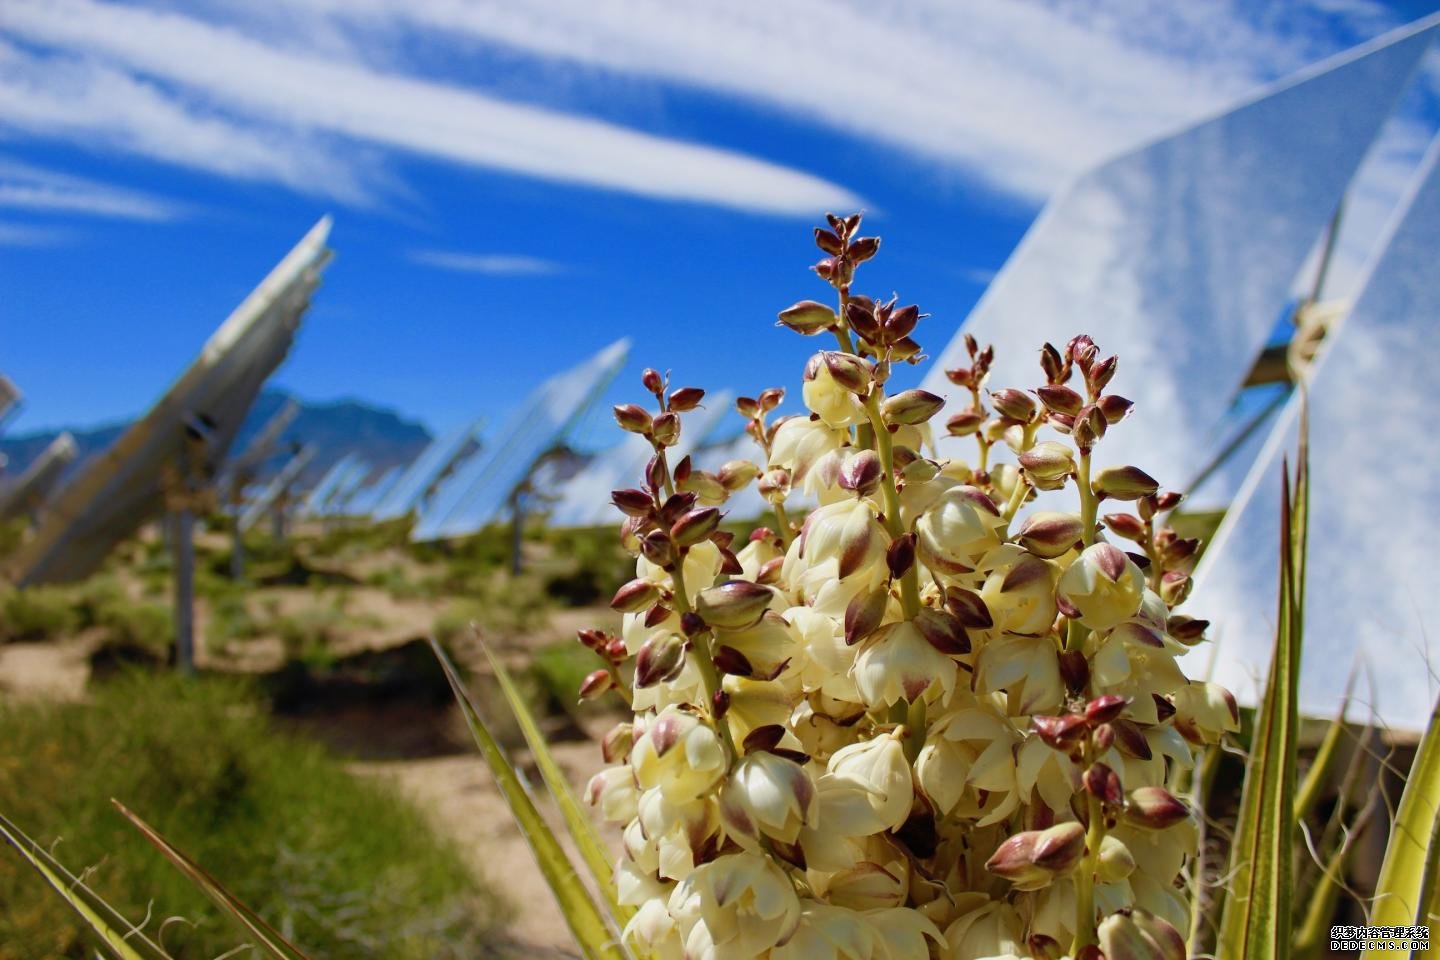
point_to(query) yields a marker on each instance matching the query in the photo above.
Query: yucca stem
(1089, 504)
(704, 659)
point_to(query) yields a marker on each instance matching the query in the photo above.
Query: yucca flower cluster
(941, 717)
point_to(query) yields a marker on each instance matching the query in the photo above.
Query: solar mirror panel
(29, 491)
(117, 491)
(417, 480)
(1373, 523)
(329, 484)
(477, 494)
(366, 498)
(276, 489)
(1179, 256)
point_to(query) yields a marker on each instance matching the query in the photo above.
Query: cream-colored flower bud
(848, 534)
(1019, 590)
(734, 604)
(869, 885)
(1048, 463)
(959, 528)
(832, 400)
(900, 664)
(679, 754)
(1140, 935)
(1050, 535)
(1104, 585)
(1031, 859)
(615, 792)
(989, 931)
(1116, 862)
(870, 788)
(801, 443)
(1205, 712)
(737, 905)
(767, 794)
(755, 555)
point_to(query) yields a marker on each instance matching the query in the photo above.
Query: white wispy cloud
(27, 187)
(1018, 94)
(28, 235)
(490, 264)
(225, 73)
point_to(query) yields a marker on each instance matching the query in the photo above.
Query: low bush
(37, 613)
(341, 864)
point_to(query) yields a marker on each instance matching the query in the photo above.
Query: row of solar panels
(1180, 255)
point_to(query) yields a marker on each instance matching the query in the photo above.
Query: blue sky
(515, 185)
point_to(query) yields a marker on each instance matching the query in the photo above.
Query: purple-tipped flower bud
(1057, 370)
(860, 317)
(1114, 408)
(1103, 737)
(900, 555)
(863, 248)
(775, 485)
(1104, 784)
(1060, 733)
(912, 407)
(632, 502)
(660, 658)
(733, 605)
(632, 417)
(1123, 483)
(864, 613)
(595, 684)
(730, 661)
(943, 631)
(635, 595)
(1175, 587)
(1044, 947)
(1048, 461)
(695, 526)
(1074, 670)
(964, 423)
(1125, 525)
(770, 398)
(968, 608)
(902, 321)
(1015, 404)
(1156, 808)
(1032, 858)
(828, 241)
(686, 398)
(1051, 535)
(1130, 740)
(656, 547)
(862, 472)
(617, 742)
(1061, 399)
(1082, 351)
(1187, 630)
(849, 371)
(652, 380)
(737, 474)
(1105, 708)
(666, 429)
(807, 317)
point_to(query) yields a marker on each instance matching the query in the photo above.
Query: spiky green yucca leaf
(587, 924)
(120, 937)
(1406, 890)
(1325, 758)
(587, 841)
(1257, 920)
(266, 937)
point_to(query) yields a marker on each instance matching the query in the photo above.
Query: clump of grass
(340, 864)
(37, 613)
(499, 605)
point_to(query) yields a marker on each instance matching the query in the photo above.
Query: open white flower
(828, 933)
(900, 664)
(867, 788)
(960, 527)
(767, 794)
(971, 752)
(679, 754)
(736, 906)
(1104, 585)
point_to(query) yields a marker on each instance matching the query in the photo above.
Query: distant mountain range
(382, 438)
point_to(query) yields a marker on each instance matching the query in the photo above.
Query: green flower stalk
(936, 718)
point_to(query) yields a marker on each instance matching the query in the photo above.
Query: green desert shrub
(340, 863)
